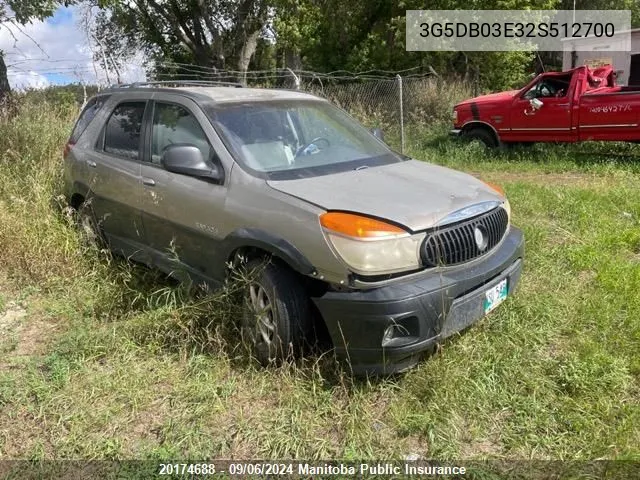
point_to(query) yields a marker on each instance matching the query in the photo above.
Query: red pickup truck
(574, 106)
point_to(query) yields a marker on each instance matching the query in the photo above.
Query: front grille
(457, 243)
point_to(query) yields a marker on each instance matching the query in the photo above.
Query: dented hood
(415, 194)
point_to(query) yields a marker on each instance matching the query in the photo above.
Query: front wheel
(276, 319)
(481, 135)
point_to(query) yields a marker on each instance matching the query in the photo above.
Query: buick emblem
(480, 235)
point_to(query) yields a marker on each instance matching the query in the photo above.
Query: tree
(21, 12)
(207, 33)
(5, 89)
(362, 35)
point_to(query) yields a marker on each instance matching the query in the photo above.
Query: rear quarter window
(88, 113)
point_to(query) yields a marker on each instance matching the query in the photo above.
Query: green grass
(113, 361)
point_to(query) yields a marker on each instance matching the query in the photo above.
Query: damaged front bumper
(388, 329)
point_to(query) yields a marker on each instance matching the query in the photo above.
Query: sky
(55, 52)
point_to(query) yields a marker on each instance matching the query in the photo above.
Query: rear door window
(89, 112)
(122, 131)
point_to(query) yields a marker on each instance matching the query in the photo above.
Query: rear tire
(482, 135)
(276, 319)
(88, 226)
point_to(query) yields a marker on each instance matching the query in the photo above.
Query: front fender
(273, 244)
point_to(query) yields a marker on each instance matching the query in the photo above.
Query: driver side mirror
(188, 160)
(536, 103)
(377, 132)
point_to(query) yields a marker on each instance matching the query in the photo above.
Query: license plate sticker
(495, 296)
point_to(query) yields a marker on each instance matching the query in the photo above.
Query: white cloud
(42, 53)
(27, 79)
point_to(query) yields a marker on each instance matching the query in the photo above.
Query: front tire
(276, 318)
(482, 135)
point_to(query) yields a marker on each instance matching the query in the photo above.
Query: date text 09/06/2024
(298, 468)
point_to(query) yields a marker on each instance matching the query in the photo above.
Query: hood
(492, 97)
(415, 194)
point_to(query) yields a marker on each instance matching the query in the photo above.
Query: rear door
(114, 166)
(183, 216)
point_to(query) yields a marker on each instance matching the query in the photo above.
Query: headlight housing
(370, 246)
(506, 205)
(455, 116)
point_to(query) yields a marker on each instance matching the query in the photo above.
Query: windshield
(296, 139)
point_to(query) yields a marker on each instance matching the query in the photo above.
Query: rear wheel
(481, 135)
(276, 319)
(88, 226)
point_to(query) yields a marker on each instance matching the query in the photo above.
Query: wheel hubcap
(263, 315)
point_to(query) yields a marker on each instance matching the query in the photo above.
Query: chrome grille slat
(455, 244)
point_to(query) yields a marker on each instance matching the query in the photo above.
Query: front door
(182, 215)
(551, 121)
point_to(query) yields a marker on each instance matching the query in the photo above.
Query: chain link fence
(404, 105)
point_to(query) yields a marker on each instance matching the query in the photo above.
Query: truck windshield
(294, 139)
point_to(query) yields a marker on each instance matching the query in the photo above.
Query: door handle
(148, 181)
(91, 163)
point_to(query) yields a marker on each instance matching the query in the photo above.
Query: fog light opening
(393, 332)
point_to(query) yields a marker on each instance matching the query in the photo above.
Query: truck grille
(466, 240)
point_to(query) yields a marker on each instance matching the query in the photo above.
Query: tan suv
(391, 254)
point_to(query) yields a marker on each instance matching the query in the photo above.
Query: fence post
(296, 80)
(401, 114)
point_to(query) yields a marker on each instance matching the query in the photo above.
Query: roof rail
(178, 83)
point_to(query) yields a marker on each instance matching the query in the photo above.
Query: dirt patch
(11, 317)
(21, 334)
(24, 434)
(482, 448)
(488, 446)
(146, 426)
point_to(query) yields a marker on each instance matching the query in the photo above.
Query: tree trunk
(5, 89)
(293, 60)
(246, 52)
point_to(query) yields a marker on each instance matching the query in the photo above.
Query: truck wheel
(482, 135)
(276, 318)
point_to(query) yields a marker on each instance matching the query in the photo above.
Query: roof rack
(179, 83)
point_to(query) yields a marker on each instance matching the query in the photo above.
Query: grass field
(102, 359)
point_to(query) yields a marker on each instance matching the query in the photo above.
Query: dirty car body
(390, 254)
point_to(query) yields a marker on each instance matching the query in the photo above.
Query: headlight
(455, 116)
(369, 246)
(506, 205)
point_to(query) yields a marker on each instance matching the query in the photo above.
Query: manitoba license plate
(495, 296)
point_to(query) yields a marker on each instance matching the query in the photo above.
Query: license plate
(495, 296)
